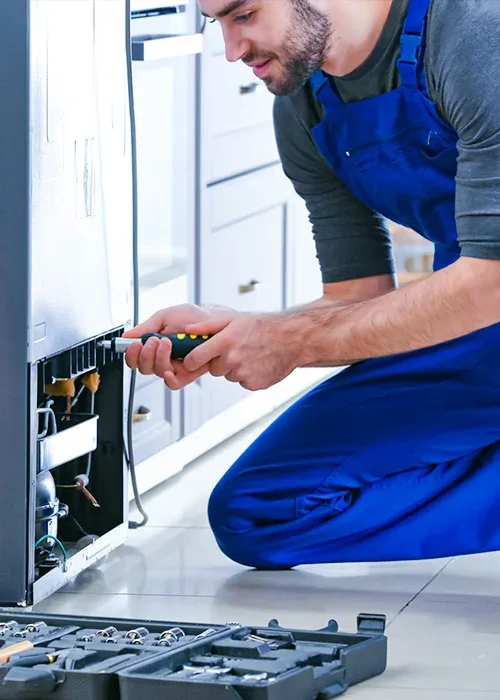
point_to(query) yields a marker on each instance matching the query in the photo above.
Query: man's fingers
(147, 358)
(162, 361)
(219, 367)
(132, 355)
(209, 326)
(179, 378)
(203, 354)
(154, 324)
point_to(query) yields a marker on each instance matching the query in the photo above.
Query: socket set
(79, 658)
(141, 636)
(271, 663)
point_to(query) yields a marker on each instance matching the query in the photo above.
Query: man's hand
(254, 350)
(155, 356)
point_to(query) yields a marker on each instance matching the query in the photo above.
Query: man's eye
(243, 18)
(212, 21)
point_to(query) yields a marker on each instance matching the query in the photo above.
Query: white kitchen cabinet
(243, 265)
(236, 115)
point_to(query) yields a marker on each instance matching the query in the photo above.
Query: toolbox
(94, 658)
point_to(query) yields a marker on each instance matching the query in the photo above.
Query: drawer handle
(250, 88)
(143, 414)
(250, 287)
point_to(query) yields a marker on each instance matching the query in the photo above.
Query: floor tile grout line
(170, 595)
(407, 605)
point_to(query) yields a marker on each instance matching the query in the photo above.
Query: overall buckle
(411, 48)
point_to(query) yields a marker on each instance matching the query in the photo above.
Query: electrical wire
(129, 452)
(58, 542)
(84, 532)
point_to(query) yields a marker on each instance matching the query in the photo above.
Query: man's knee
(238, 533)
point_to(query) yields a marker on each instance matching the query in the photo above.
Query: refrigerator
(67, 213)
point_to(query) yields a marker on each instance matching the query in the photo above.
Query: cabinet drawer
(244, 250)
(156, 418)
(241, 151)
(252, 277)
(236, 113)
(236, 99)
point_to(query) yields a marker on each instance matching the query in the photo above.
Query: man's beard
(304, 49)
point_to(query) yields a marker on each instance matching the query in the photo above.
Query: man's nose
(236, 47)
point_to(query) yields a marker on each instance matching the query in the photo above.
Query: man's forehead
(221, 8)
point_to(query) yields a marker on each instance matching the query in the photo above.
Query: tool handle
(182, 343)
(29, 660)
(7, 652)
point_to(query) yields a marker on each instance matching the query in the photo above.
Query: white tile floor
(444, 616)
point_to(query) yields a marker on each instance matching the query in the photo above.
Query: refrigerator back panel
(81, 172)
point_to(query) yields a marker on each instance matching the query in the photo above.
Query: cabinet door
(243, 266)
(156, 417)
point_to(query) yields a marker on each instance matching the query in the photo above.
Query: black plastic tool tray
(298, 664)
(92, 676)
(271, 663)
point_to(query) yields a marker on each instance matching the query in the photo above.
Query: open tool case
(76, 658)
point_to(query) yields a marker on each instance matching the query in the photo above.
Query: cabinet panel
(241, 151)
(243, 245)
(156, 418)
(244, 265)
(239, 99)
(236, 114)
(243, 196)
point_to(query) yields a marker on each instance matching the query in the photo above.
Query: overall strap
(318, 82)
(410, 63)
(326, 92)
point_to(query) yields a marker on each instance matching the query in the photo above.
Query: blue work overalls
(394, 458)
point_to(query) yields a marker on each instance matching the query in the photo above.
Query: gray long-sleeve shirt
(462, 64)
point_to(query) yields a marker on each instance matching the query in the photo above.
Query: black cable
(75, 521)
(129, 453)
(89, 456)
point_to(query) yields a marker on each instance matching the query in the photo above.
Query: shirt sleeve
(463, 62)
(351, 241)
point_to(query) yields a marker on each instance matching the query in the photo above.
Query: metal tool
(173, 634)
(107, 632)
(20, 633)
(255, 638)
(36, 627)
(163, 643)
(206, 633)
(182, 344)
(6, 627)
(86, 638)
(138, 633)
(198, 670)
(256, 677)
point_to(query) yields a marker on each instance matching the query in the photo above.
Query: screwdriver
(26, 645)
(29, 660)
(182, 343)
